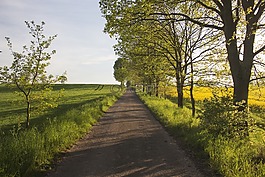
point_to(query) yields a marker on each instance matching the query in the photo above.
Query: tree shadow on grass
(39, 121)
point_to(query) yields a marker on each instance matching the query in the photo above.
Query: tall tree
(240, 21)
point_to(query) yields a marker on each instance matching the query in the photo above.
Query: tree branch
(257, 78)
(260, 9)
(186, 17)
(212, 8)
(259, 51)
(257, 6)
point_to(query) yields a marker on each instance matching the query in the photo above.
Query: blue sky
(83, 50)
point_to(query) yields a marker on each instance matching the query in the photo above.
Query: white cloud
(92, 60)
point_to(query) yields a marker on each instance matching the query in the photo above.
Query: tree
(121, 70)
(28, 70)
(240, 21)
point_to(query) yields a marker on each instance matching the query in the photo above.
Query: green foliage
(221, 117)
(28, 70)
(121, 68)
(136, 42)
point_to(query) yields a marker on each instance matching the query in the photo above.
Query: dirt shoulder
(127, 141)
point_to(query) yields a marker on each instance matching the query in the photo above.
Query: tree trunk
(241, 85)
(192, 102)
(240, 69)
(191, 92)
(149, 88)
(122, 84)
(180, 96)
(157, 88)
(179, 87)
(28, 113)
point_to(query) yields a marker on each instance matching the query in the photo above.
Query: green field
(13, 108)
(29, 151)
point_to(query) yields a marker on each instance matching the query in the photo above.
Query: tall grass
(27, 152)
(235, 158)
(231, 157)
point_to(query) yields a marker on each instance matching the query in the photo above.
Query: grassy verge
(27, 152)
(230, 157)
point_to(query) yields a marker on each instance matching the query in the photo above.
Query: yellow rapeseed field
(256, 94)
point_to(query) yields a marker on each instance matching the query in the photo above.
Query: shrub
(220, 116)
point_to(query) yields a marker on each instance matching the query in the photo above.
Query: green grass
(13, 108)
(230, 157)
(27, 152)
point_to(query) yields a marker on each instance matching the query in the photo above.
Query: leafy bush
(220, 116)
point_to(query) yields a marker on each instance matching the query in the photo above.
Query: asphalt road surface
(127, 141)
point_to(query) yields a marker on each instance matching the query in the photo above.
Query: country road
(127, 141)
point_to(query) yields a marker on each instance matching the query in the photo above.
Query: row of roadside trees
(188, 42)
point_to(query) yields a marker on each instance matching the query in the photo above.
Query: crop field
(256, 102)
(29, 151)
(256, 94)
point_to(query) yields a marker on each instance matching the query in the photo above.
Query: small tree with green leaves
(121, 70)
(28, 70)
